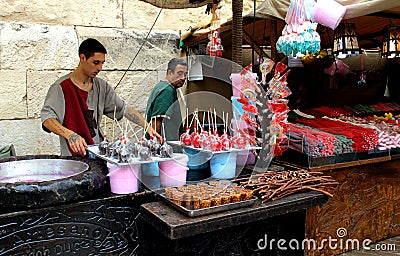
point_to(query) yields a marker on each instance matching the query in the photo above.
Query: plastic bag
(299, 35)
(7, 151)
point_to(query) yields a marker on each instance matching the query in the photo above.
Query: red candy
(226, 143)
(186, 139)
(196, 141)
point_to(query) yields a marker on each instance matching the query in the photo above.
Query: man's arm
(133, 115)
(75, 141)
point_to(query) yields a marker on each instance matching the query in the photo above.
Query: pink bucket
(328, 13)
(123, 179)
(173, 172)
(245, 157)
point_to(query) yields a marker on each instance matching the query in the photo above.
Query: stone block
(38, 83)
(35, 46)
(123, 47)
(28, 137)
(13, 94)
(86, 13)
(134, 88)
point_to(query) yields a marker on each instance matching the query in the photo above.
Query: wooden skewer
(113, 126)
(204, 115)
(105, 126)
(133, 131)
(163, 129)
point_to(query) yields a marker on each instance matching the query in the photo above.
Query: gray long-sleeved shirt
(102, 99)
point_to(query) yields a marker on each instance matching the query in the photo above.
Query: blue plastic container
(150, 169)
(223, 165)
(197, 159)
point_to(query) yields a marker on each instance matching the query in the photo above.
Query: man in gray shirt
(76, 102)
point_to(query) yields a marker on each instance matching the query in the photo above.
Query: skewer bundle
(273, 185)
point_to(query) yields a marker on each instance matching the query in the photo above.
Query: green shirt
(163, 100)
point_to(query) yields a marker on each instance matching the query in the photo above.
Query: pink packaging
(328, 13)
(173, 172)
(123, 179)
(237, 83)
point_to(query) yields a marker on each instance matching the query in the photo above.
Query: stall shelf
(364, 208)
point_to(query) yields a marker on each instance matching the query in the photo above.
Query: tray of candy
(191, 212)
(94, 149)
(178, 143)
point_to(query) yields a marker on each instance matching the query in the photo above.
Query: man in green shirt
(163, 104)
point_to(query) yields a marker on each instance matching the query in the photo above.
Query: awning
(370, 16)
(355, 8)
(177, 4)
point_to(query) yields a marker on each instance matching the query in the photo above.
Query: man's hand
(77, 144)
(153, 132)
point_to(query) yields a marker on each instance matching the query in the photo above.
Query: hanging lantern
(391, 43)
(345, 42)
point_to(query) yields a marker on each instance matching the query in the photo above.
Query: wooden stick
(163, 129)
(113, 127)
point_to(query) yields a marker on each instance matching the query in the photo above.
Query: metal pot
(28, 182)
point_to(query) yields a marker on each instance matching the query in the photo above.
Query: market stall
(356, 103)
(307, 193)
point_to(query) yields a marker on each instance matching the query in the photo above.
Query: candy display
(327, 131)
(359, 109)
(316, 143)
(124, 150)
(277, 92)
(364, 138)
(210, 140)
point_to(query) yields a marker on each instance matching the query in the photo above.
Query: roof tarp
(177, 4)
(354, 8)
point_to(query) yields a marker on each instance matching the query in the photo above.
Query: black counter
(252, 230)
(175, 225)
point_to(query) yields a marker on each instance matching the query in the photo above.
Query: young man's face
(178, 77)
(94, 64)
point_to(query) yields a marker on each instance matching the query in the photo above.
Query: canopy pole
(237, 35)
(274, 38)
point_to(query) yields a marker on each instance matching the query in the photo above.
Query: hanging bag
(7, 151)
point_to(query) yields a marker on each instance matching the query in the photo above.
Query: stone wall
(39, 42)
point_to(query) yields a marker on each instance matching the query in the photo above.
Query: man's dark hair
(175, 62)
(89, 46)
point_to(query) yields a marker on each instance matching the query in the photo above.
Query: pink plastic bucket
(241, 158)
(123, 179)
(173, 172)
(328, 13)
(245, 157)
